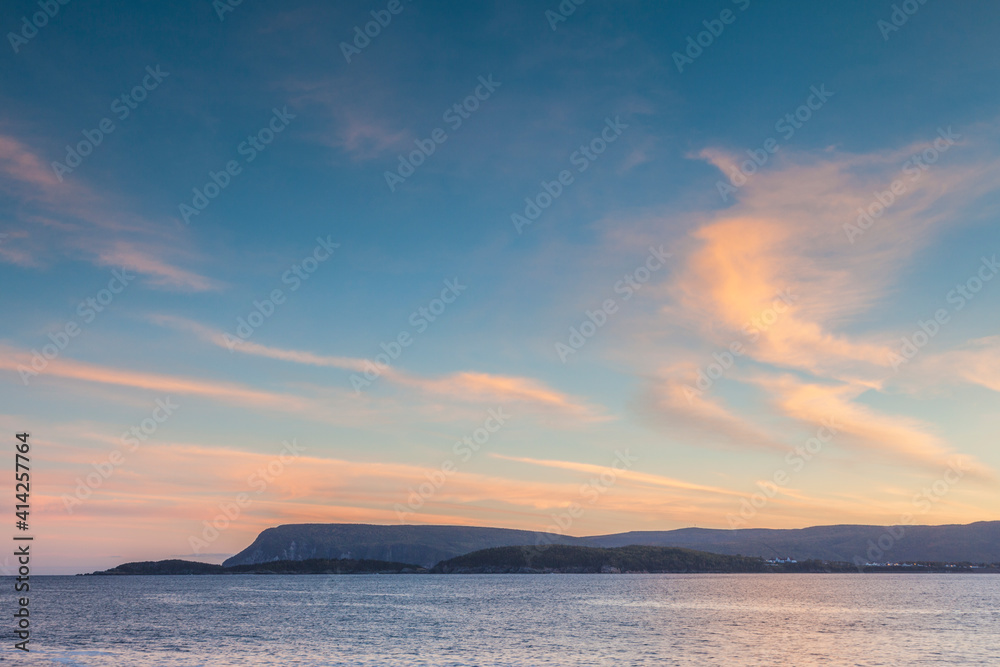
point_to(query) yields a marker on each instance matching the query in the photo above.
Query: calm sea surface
(512, 620)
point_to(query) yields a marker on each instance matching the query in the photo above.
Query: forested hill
(576, 559)
(427, 545)
(423, 545)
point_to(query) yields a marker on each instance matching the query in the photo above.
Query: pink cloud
(13, 359)
(65, 218)
(20, 164)
(233, 343)
(159, 272)
(463, 386)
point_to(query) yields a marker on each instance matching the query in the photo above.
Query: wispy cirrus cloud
(464, 386)
(627, 474)
(976, 362)
(358, 124)
(70, 218)
(891, 437)
(232, 343)
(785, 231)
(159, 273)
(490, 388)
(316, 488)
(227, 392)
(672, 402)
(21, 166)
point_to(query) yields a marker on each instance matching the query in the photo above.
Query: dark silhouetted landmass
(325, 566)
(311, 566)
(165, 567)
(574, 559)
(564, 559)
(975, 542)
(424, 545)
(427, 545)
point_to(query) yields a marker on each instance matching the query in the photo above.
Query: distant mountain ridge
(975, 542)
(428, 545)
(423, 545)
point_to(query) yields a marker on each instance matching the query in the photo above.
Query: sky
(583, 267)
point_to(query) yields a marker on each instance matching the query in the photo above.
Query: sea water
(491, 620)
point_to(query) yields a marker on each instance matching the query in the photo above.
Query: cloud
(68, 218)
(21, 165)
(14, 255)
(366, 138)
(233, 343)
(977, 362)
(626, 474)
(358, 122)
(784, 233)
(13, 359)
(895, 438)
(160, 273)
(675, 404)
(466, 386)
(489, 388)
(310, 487)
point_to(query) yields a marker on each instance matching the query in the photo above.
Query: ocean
(494, 620)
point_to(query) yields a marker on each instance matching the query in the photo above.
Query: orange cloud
(977, 362)
(622, 473)
(462, 386)
(484, 387)
(897, 438)
(675, 404)
(785, 232)
(12, 359)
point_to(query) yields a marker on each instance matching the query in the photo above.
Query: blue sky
(699, 454)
